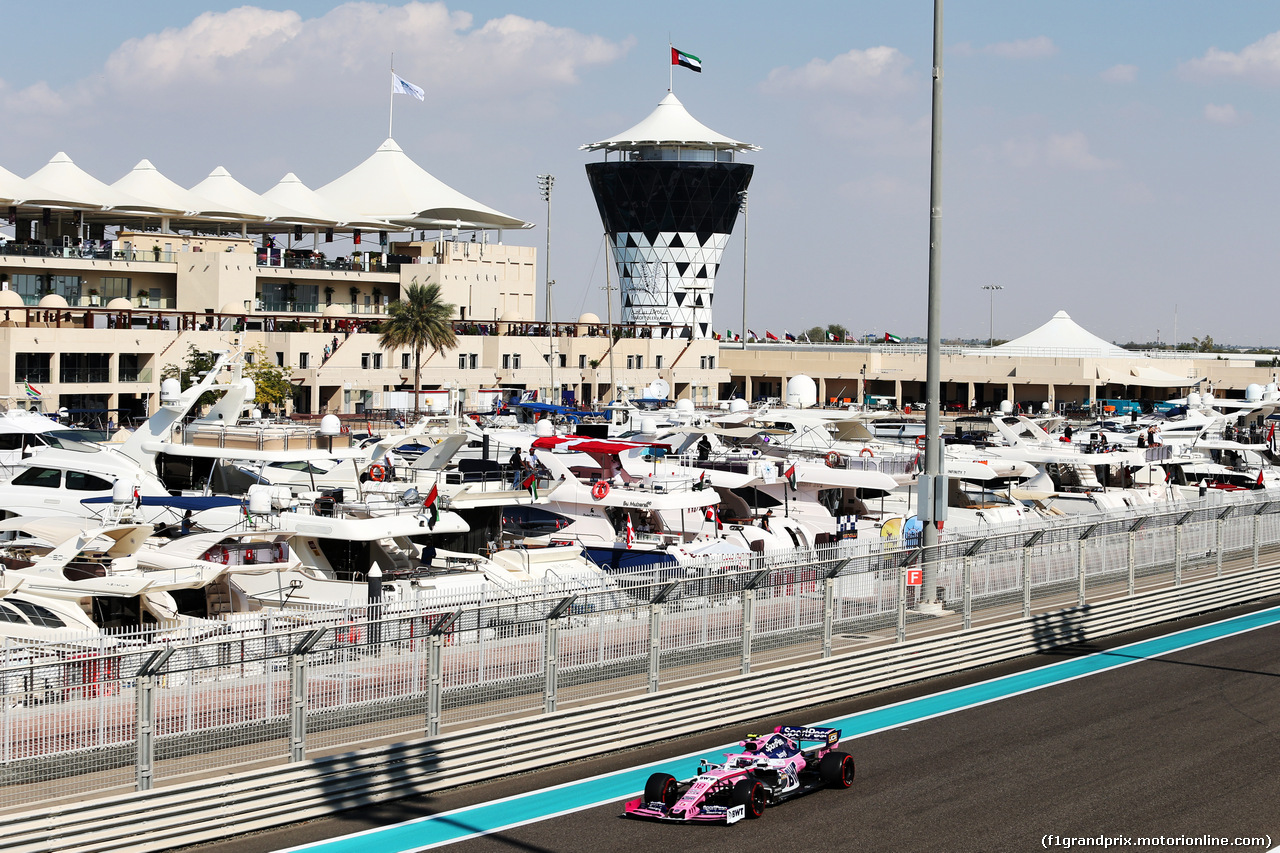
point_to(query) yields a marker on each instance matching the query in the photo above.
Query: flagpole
(671, 69)
(391, 104)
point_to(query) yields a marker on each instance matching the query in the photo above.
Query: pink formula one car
(769, 769)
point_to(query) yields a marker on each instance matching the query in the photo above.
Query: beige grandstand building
(103, 285)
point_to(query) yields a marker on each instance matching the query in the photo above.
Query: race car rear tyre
(751, 794)
(836, 769)
(661, 788)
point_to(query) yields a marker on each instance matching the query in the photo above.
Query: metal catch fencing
(107, 714)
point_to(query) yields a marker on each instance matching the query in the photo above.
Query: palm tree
(418, 320)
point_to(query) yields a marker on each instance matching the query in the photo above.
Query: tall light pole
(545, 183)
(991, 311)
(742, 205)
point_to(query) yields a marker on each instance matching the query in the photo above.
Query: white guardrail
(214, 808)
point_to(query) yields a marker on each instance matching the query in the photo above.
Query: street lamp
(545, 183)
(991, 310)
(742, 205)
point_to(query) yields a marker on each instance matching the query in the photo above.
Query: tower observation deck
(669, 200)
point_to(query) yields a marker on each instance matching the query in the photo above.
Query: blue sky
(1110, 159)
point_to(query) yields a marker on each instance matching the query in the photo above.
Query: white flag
(401, 86)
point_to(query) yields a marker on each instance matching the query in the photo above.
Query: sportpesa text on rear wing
(810, 734)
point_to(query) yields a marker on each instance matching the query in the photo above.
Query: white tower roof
(1061, 336)
(670, 124)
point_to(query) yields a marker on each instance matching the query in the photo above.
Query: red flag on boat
(631, 533)
(790, 474)
(1259, 478)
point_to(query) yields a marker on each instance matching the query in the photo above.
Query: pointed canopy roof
(146, 182)
(68, 181)
(291, 192)
(1061, 336)
(243, 203)
(670, 124)
(16, 190)
(390, 186)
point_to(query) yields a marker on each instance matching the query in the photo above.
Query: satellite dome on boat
(802, 391)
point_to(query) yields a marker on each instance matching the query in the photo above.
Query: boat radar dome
(170, 392)
(737, 404)
(121, 493)
(802, 391)
(330, 425)
(1253, 392)
(544, 428)
(648, 426)
(1046, 406)
(1006, 407)
(1193, 400)
(684, 405)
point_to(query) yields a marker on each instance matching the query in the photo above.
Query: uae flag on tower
(430, 505)
(891, 338)
(686, 60)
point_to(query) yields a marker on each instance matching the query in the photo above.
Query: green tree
(270, 380)
(197, 364)
(1204, 344)
(418, 320)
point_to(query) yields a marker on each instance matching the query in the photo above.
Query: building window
(506, 361)
(515, 361)
(639, 362)
(582, 362)
(132, 369)
(711, 362)
(657, 362)
(84, 367)
(115, 286)
(31, 366)
(279, 359)
(404, 361)
(377, 361)
(365, 359)
(462, 361)
(304, 359)
(702, 362)
(631, 362)
(473, 360)
(564, 360)
(248, 357)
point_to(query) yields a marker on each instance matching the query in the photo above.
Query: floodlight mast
(545, 183)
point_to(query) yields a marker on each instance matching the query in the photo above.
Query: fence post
(551, 629)
(145, 686)
(1081, 543)
(655, 645)
(1133, 541)
(145, 690)
(1026, 583)
(297, 707)
(1257, 534)
(1177, 555)
(968, 593)
(902, 604)
(1218, 543)
(435, 682)
(828, 613)
(748, 626)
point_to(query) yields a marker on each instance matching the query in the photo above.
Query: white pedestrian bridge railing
(104, 717)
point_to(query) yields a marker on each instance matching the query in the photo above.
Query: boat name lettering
(638, 504)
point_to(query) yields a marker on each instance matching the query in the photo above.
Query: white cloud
(1221, 114)
(1257, 63)
(879, 71)
(1120, 74)
(1057, 151)
(1032, 48)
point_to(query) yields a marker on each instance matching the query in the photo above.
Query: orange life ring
(599, 490)
(217, 554)
(377, 473)
(833, 459)
(866, 451)
(475, 417)
(920, 442)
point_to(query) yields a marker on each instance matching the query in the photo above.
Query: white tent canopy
(16, 190)
(146, 182)
(226, 191)
(670, 124)
(1061, 336)
(291, 192)
(390, 186)
(69, 181)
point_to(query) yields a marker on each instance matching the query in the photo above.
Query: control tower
(668, 200)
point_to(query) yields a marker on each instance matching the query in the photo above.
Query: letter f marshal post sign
(915, 577)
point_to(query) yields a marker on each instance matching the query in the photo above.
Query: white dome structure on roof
(222, 189)
(53, 300)
(1064, 337)
(120, 303)
(69, 181)
(292, 193)
(10, 299)
(390, 186)
(670, 124)
(16, 190)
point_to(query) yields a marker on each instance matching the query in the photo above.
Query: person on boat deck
(186, 523)
(764, 521)
(389, 460)
(704, 449)
(1066, 433)
(516, 464)
(1142, 438)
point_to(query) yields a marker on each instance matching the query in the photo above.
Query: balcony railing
(135, 374)
(84, 374)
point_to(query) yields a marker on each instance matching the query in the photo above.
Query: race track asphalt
(1187, 744)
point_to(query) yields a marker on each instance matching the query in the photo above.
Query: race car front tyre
(836, 769)
(751, 794)
(661, 788)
